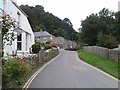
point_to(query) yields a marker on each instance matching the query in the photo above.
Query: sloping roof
(19, 8)
(42, 34)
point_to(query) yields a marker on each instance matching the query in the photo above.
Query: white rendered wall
(12, 10)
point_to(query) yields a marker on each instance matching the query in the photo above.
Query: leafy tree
(90, 29)
(39, 19)
(107, 41)
(67, 21)
(105, 22)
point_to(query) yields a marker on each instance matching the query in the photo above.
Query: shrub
(48, 42)
(53, 44)
(14, 71)
(47, 46)
(107, 41)
(36, 48)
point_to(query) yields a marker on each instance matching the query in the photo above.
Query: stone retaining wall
(104, 52)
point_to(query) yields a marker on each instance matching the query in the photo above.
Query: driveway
(68, 71)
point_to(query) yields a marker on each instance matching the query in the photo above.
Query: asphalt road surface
(68, 72)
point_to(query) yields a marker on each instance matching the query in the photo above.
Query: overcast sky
(75, 10)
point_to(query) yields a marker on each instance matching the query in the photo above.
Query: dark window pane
(19, 37)
(19, 45)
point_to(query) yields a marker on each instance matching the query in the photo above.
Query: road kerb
(27, 84)
(95, 68)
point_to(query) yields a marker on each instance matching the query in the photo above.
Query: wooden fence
(104, 52)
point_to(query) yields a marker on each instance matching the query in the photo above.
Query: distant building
(60, 41)
(70, 44)
(64, 43)
(43, 37)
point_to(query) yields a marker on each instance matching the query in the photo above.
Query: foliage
(89, 30)
(67, 21)
(107, 41)
(104, 64)
(105, 22)
(36, 48)
(8, 25)
(14, 70)
(53, 44)
(39, 19)
(48, 42)
(47, 46)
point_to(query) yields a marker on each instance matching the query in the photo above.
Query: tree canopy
(41, 20)
(105, 23)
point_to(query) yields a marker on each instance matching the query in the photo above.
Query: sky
(75, 10)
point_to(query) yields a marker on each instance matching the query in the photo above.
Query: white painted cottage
(24, 33)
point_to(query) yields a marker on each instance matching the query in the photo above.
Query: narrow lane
(67, 72)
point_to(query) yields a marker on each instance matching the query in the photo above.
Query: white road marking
(95, 67)
(25, 87)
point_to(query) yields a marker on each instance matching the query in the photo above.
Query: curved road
(67, 71)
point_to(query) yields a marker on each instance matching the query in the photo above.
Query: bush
(47, 46)
(48, 42)
(36, 48)
(14, 71)
(107, 41)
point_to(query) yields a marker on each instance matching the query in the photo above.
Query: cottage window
(18, 18)
(26, 41)
(19, 41)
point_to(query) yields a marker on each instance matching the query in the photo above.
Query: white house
(24, 33)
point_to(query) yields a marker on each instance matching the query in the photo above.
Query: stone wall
(104, 52)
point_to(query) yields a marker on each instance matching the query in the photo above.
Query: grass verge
(109, 66)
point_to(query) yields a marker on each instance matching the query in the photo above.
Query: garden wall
(104, 52)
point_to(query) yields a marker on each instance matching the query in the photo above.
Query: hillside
(41, 20)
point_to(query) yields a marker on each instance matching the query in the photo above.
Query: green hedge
(47, 46)
(14, 72)
(36, 48)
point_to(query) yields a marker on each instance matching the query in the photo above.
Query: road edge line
(95, 67)
(27, 84)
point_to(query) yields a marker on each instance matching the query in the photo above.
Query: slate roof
(42, 34)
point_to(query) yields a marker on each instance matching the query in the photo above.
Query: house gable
(27, 38)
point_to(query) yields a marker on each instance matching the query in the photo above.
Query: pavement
(68, 71)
